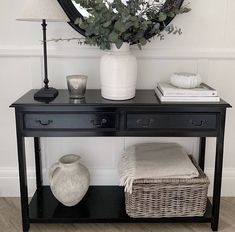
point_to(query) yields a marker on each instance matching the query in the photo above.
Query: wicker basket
(157, 198)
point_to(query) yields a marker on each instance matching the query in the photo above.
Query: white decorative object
(154, 161)
(186, 80)
(69, 180)
(37, 10)
(203, 90)
(163, 98)
(118, 73)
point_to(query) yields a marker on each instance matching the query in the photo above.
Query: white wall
(206, 46)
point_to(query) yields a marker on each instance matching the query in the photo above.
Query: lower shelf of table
(102, 204)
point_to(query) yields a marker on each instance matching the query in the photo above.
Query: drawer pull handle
(102, 122)
(197, 123)
(44, 123)
(141, 122)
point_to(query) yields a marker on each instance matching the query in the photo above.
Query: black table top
(93, 98)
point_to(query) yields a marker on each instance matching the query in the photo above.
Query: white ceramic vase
(69, 180)
(118, 73)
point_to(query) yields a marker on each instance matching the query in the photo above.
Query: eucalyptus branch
(80, 40)
(113, 22)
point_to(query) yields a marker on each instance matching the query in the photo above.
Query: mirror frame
(73, 14)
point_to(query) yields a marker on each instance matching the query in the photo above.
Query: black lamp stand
(46, 93)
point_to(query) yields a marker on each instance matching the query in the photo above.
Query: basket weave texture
(157, 198)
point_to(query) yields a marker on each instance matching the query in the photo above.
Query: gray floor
(10, 221)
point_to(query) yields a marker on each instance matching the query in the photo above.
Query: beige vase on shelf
(69, 180)
(118, 73)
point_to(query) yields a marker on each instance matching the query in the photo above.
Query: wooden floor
(10, 221)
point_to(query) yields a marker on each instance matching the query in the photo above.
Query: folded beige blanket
(155, 160)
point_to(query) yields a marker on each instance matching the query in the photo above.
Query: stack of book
(169, 93)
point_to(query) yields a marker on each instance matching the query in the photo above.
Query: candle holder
(77, 86)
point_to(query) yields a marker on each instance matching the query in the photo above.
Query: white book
(185, 98)
(169, 90)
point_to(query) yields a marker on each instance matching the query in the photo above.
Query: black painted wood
(143, 98)
(22, 175)
(171, 121)
(38, 162)
(102, 204)
(143, 115)
(202, 152)
(98, 120)
(218, 172)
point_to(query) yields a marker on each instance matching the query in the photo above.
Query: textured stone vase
(69, 180)
(118, 73)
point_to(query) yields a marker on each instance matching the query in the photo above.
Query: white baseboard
(228, 186)
(9, 182)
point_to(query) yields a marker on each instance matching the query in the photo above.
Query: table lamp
(43, 11)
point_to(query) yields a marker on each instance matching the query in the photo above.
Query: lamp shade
(37, 10)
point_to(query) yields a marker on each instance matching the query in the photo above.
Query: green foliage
(133, 22)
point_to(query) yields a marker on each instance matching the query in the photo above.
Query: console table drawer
(171, 121)
(71, 121)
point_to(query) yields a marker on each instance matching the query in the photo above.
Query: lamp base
(46, 94)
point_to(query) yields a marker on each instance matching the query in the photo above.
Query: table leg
(38, 162)
(39, 178)
(202, 151)
(218, 174)
(23, 182)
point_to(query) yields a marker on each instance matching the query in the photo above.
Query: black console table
(94, 116)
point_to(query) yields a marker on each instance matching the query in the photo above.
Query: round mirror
(75, 11)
